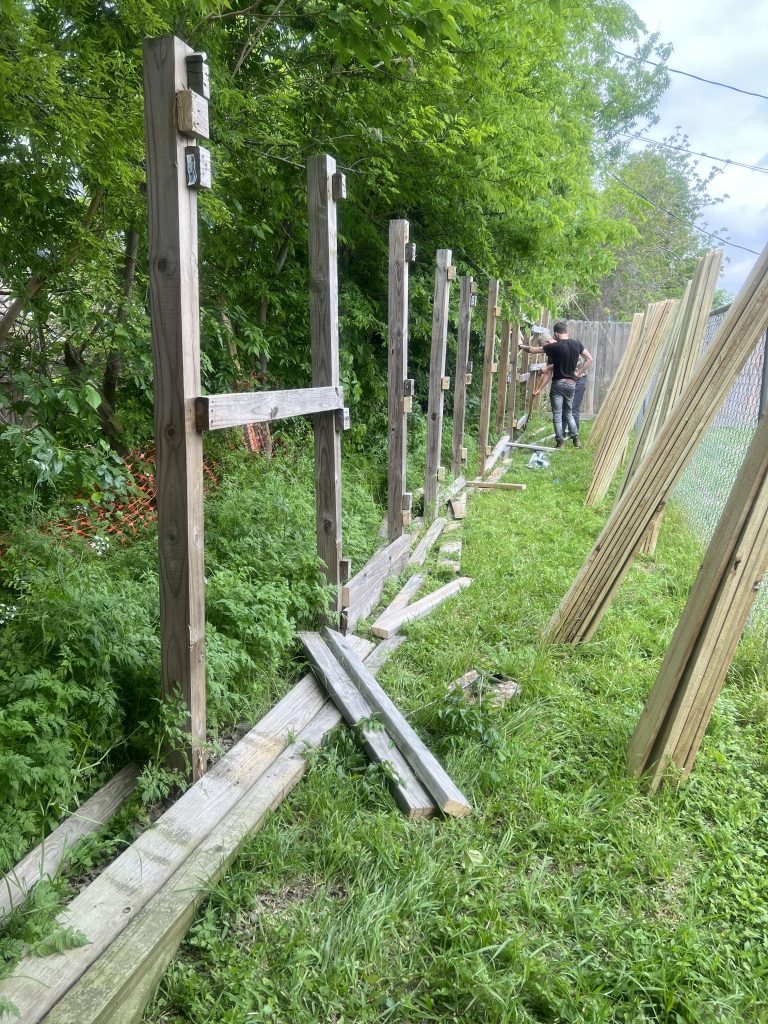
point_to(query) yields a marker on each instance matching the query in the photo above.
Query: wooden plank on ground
(499, 450)
(44, 861)
(386, 626)
(446, 794)
(403, 598)
(114, 899)
(410, 795)
(379, 655)
(426, 543)
(362, 593)
(493, 485)
(217, 412)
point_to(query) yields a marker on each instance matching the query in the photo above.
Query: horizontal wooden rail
(216, 412)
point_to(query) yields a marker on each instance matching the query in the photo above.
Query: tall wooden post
(400, 389)
(174, 300)
(501, 397)
(483, 451)
(438, 382)
(460, 381)
(514, 351)
(324, 186)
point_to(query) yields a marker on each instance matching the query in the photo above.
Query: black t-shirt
(564, 355)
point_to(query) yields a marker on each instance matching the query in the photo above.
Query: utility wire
(675, 216)
(690, 152)
(677, 71)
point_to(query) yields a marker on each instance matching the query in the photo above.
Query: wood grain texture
(174, 300)
(110, 903)
(412, 798)
(218, 412)
(613, 553)
(460, 385)
(44, 861)
(385, 626)
(426, 543)
(501, 394)
(514, 356)
(406, 593)
(436, 780)
(397, 348)
(487, 389)
(379, 655)
(324, 328)
(440, 306)
(499, 449)
(362, 593)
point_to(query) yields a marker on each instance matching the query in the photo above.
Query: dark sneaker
(560, 443)
(576, 443)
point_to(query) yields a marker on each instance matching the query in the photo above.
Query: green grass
(569, 895)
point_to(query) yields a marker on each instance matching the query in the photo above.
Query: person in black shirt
(563, 356)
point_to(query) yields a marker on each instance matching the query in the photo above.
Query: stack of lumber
(604, 418)
(678, 710)
(418, 780)
(135, 914)
(629, 389)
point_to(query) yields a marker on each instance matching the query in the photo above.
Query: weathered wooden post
(401, 253)
(483, 451)
(438, 382)
(501, 396)
(175, 117)
(466, 292)
(324, 187)
(515, 339)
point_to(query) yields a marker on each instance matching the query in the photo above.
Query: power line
(690, 152)
(677, 71)
(675, 216)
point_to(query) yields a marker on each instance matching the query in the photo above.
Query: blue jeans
(561, 397)
(581, 387)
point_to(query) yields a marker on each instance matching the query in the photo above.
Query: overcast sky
(725, 42)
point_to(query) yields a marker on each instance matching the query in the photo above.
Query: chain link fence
(704, 487)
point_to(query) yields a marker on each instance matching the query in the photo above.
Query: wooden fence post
(172, 207)
(324, 185)
(514, 352)
(501, 396)
(483, 451)
(400, 390)
(460, 378)
(438, 382)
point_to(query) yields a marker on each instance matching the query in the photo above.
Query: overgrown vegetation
(569, 895)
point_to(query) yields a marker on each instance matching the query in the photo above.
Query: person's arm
(585, 355)
(535, 349)
(544, 379)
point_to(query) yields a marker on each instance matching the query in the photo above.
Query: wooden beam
(397, 347)
(485, 397)
(460, 385)
(426, 543)
(501, 446)
(386, 626)
(405, 594)
(379, 655)
(446, 794)
(46, 859)
(217, 412)
(362, 593)
(492, 485)
(591, 592)
(410, 795)
(501, 395)
(437, 378)
(324, 328)
(174, 300)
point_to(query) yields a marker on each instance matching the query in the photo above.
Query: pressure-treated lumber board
(217, 412)
(606, 412)
(362, 593)
(534, 447)
(113, 900)
(679, 706)
(445, 792)
(385, 626)
(120, 984)
(324, 332)
(493, 485)
(436, 397)
(426, 543)
(613, 553)
(410, 795)
(175, 302)
(45, 859)
(403, 597)
(501, 394)
(485, 396)
(634, 385)
(379, 655)
(460, 380)
(397, 347)
(499, 450)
